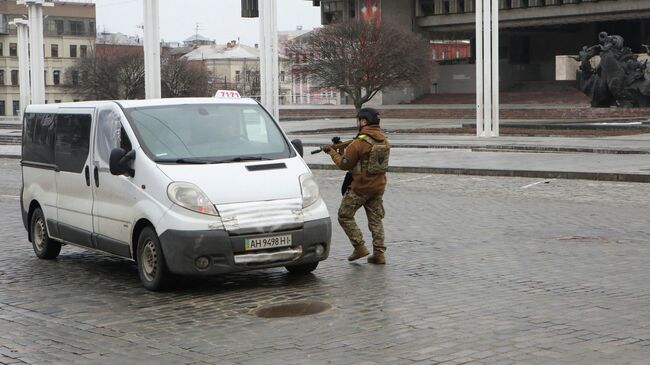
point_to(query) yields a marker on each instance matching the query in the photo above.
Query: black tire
(302, 269)
(44, 247)
(151, 261)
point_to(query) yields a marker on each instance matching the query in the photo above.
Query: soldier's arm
(348, 159)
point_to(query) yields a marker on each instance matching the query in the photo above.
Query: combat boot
(359, 252)
(377, 258)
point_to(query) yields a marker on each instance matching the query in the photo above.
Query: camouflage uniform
(374, 206)
(367, 189)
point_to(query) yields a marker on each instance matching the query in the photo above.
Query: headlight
(310, 192)
(189, 196)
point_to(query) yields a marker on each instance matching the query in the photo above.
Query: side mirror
(119, 162)
(298, 145)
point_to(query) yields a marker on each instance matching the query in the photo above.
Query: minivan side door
(114, 196)
(72, 159)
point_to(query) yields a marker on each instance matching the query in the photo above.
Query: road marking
(537, 183)
(10, 196)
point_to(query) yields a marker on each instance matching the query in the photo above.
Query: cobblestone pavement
(480, 271)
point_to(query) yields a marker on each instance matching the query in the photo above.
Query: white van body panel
(40, 186)
(229, 183)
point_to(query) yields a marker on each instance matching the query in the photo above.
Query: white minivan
(196, 186)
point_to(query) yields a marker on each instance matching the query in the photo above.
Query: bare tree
(183, 78)
(361, 58)
(117, 72)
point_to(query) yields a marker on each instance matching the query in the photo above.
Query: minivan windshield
(208, 133)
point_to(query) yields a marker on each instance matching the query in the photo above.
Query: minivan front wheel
(151, 262)
(44, 247)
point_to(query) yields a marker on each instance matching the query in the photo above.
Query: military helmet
(369, 114)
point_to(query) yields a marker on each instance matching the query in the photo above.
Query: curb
(569, 175)
(10, 156)
(516, 148)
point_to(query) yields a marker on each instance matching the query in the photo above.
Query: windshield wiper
(185, 161)
(242, 159)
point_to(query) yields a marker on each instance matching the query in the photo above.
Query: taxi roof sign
(228, 94)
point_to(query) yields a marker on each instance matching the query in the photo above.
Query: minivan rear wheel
(44, 247)
(151, 262)
(302, 269)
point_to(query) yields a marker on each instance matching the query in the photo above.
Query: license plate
(262, 243)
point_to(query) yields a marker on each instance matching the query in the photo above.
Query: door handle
(87, 174)
(96, 176)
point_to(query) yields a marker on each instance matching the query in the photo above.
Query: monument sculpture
(619, 79)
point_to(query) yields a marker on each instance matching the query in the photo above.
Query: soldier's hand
(326, 148)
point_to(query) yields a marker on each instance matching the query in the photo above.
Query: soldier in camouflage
(367, 159)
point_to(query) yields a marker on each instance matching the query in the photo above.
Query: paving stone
(480, 270)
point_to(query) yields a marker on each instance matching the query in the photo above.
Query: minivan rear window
(208, 133)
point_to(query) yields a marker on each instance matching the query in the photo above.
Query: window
(109, 135)
(2, 107)
(45, 77)
(83, 51)
(237, 76)
(211, 132)
(281, 76)
(73, 50)
(16, 105)
(76, 27)
(13, 50)
(2, 79)
(72, 141)
(54, 49)
(14, 77)
(57, 101)
(75, 77)
(38, 137)
(56, 75)
(91, 28)
(1, 51)
(59, 27)
(457, 54)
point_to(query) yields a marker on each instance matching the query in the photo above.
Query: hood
(230, 183)
(374, 131)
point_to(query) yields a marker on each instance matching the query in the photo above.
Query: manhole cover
(293, 309)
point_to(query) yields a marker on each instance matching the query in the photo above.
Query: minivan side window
(110, 135)
(38, 138)
(72, 141)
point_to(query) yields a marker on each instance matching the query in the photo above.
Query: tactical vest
(377, 161)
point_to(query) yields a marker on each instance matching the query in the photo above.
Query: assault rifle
(336, 144)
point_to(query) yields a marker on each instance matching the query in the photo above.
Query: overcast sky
(218, 19)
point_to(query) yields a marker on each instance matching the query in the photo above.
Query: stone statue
(619, 79)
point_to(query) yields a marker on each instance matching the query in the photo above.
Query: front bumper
(227, 254)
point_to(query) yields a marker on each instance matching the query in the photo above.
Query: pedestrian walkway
(620, 158)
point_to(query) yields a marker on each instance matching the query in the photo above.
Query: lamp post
(152, 49)
(487, 68)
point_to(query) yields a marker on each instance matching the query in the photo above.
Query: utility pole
(487, 68)
(22, 28)
(152, 49)
(269, 65)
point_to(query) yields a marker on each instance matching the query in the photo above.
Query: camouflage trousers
(374, 206)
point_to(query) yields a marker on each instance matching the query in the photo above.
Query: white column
(487, 68)
(23, 62)
(37, 58)
(269, 67)
(152, 49)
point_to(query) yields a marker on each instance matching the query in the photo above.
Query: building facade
(69, 29)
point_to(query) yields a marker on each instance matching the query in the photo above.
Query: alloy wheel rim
(149, 260)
